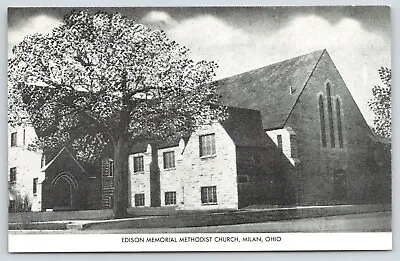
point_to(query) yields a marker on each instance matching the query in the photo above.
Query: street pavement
(364, 222)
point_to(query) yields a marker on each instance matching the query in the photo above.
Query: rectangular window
(279, 138)
(170, 198)
(139, 200)
(111, 168)
(35, 183)
(209, 195)
(207, 145)
(14, 139)
(138, 165)
(169, 160)
(13, 175)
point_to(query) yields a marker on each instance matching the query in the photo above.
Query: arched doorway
(64, 187)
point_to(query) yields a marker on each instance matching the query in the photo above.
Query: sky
(239, 39)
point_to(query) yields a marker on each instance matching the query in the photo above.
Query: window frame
(35, 184)
(141, 165)
(13, 175)
(110, 168)
(208, 195)
(322, 121)
(167, 161)
(140, 202)
(279, 141)
(330, 115)
(14, 139)
(207, 146)
(339, 123)
(168, 200)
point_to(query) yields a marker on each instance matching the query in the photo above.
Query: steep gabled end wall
(339, 168)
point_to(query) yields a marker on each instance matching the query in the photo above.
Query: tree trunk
(120, 179)
(155, 177)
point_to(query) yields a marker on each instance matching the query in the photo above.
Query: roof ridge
(268, 88)
(44, 168)
(304, 86)
(273, 64)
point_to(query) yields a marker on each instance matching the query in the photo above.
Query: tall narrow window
(322, 120)
(339, 123)
(138, 164)
(13, 175)
(14, 139)
(107, 167)
(279, 139)
(24, 137)
(330, 116)
(35, 183)
(207, 145)
(111, 168)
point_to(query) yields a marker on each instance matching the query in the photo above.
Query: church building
(294, 136)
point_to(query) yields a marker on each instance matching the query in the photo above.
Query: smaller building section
(24, 175)
(70, 184)
(224, 165)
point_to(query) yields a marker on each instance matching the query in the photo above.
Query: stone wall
(331, 174)
(28, 164)
(217, 170)
(171, 178)
(140, 182)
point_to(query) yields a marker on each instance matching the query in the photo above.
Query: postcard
(157, 129)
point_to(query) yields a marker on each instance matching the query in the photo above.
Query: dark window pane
(139, 200)
(35, 182)
(13, 174)
(279, 138)
(170, 198)
(208, 195)
(13, 139)
(339, 123)
(330, 116)
(138, 164)
(169, 160)
(207, 145)
(322, 121)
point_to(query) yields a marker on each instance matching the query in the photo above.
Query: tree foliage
(381, 104)
(97, 77)
(102, 79)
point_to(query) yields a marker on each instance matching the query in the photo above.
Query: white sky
(357, 51)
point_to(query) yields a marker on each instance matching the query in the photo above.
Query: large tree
(104, 80)
(381, 104)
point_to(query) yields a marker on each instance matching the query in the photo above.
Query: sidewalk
(252, 214)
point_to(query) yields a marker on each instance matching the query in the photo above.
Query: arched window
(339, 123)
(322, 121)
(330, 116)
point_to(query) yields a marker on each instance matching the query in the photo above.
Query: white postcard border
(221, 242)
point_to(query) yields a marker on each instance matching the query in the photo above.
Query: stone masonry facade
(26, 165)
(192, 173)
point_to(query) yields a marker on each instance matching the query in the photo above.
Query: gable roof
(63, 150)
(244, 126)
(268, 88)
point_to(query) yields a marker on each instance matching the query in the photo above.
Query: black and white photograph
(157, 129)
